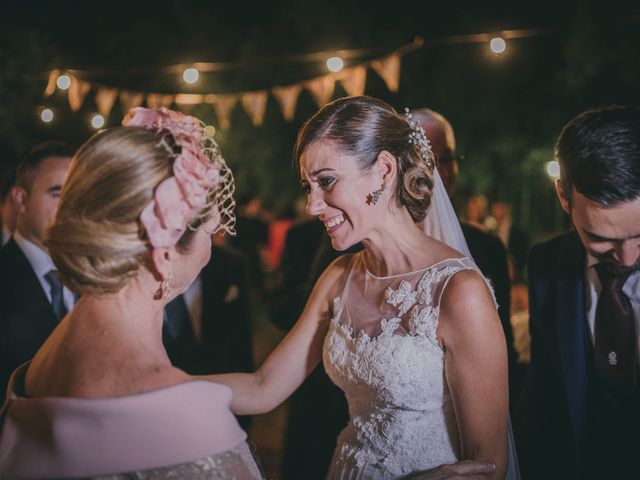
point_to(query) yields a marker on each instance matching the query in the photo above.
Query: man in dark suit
(32, 298)
(8, 208)
(487, 250)
(207, 329)
(580, 417)
(288, 298)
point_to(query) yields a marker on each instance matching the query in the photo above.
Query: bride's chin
(341, 246)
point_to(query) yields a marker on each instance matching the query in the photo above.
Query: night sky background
(506, 110)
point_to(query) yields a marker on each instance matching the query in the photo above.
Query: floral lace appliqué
(404, 297)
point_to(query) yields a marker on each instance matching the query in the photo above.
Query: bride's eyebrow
(321, 170)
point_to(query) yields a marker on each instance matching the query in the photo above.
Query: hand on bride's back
(462, 470)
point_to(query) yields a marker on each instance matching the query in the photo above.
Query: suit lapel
(571, 331)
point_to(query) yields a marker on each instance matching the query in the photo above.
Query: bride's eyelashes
(326, 183)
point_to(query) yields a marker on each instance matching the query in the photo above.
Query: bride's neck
(394, 251)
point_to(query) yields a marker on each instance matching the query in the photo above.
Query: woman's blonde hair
(96, 240)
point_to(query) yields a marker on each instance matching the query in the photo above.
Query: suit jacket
(225, 343)
(26, 316)
(551, 420)
(288, 298)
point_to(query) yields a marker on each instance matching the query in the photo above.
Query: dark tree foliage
(506, 110)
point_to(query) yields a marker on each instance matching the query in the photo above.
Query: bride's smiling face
(337, 192)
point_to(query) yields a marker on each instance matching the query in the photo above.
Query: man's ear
(386, 166)
(564, 197)
(161, 263)
(19, 197)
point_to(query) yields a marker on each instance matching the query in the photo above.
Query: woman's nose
(315, 204)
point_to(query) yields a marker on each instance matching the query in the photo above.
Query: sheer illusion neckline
(412, 272)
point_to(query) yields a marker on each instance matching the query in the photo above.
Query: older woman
(408, 327)
(100, 398)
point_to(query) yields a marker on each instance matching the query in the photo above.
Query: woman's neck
(395, 248)
(132, 308)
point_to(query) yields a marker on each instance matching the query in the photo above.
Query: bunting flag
(189, 99)
(287, 97)
(255, 104)
(105, 98)
(223, 106)
(51, 83)
(130, 100)
(77, 91)
(355, 81)
(321, 89)
(157, 100)
(389, 70)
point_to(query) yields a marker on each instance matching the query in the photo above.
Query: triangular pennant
(130, 100)
(105, 98)
(322, 89)
(189, 98)
(157, 100)
(51, 83)
(223, 106)
(354, 81)
(287, 97)
(255, 104)
(389, 70)
(77, 92)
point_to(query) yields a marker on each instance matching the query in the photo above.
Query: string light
(63, 82)
(46, 115)
(497, 45)
(97, 121)
(553, 169)
(335, 64)
(190, 75)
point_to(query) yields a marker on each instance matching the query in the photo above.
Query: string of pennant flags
(353, 79)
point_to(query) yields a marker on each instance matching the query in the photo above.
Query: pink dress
(183, 431)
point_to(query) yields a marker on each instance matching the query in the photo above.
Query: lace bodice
(382, 350)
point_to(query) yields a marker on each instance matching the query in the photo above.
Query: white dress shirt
(631, 289)
(42, 264)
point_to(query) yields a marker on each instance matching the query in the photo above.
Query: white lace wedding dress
(382, 350)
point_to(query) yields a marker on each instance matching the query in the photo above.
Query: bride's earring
(373, 197)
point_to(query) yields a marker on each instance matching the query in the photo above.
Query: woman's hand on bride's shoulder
(462, 470)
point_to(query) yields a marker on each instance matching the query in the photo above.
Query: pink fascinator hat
(201, 185)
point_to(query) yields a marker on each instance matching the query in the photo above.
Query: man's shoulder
(564, 242)
(11, 258)
(560, 255)
(481, 240)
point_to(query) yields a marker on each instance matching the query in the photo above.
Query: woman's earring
(373, 197)
(165, 285)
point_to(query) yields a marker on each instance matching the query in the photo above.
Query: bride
(408, 327)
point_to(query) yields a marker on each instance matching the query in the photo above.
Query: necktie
(615, 332)
(57, 295)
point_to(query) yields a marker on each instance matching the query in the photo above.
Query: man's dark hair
(8, 180)
(24, 173)
(599, 154)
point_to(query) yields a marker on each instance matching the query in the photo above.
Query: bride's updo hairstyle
(110, 215)
(363, 127)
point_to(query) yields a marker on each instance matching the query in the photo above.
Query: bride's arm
(476, 369)
(294, 358)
